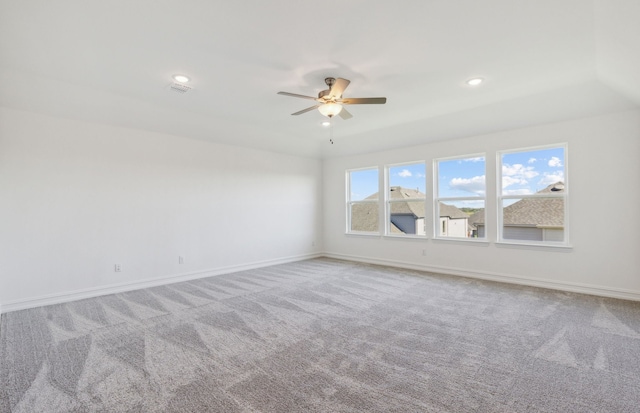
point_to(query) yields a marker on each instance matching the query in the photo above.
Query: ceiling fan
(330, 101)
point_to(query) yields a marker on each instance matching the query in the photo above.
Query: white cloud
(405, 173)
(555, 162)
(519, 170)
(551, 178)
(478, 159)
(532, 160)
(475, 185)
(509, 180)
(517, 174)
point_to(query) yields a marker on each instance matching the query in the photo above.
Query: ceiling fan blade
(363, 101)
(297, 96)
(338, 87)
(306, 110)
(344, 114)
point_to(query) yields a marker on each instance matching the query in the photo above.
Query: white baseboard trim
(505, 278)
(154, 282)
(65, 297)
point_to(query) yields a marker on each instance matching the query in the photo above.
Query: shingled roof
(451, 211)
(534, 212)
(364, 216)
(415, 208)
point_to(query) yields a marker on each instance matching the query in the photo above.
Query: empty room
(293, 206)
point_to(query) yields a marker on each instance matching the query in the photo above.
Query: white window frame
(350, 202)
(437, 199)
(388, 201)
(563, 195)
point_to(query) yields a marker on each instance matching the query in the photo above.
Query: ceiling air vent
(177, 87)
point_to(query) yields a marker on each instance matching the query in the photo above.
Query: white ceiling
(112, 61)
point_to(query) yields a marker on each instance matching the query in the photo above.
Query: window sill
(468, 241)
(363, 234)
(411, 237)
(530, 245)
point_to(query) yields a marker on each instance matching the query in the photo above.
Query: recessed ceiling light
(475, 81)
(181, 78)
(326, 123)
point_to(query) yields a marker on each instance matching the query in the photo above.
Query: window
(532, 196)
(460, 197)
(362, 200)
(406, 199)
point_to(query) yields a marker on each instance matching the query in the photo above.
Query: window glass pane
(411, 176)
(363, 184)
(533, 219)
(364, 216)
(363, 187)
(407, 217)
(406, 198)
(461, 219)
(529, 172)
(461, 177)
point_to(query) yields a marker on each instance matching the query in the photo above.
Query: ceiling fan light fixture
(330, 109)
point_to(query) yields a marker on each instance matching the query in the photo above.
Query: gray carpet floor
(324, 336)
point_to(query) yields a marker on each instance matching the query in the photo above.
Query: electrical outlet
(180, 259)
(118, 268)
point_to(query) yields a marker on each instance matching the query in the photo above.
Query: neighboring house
(530, 219)
(408, 217)
(453, 222)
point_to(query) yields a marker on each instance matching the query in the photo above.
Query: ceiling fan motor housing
(323, 93)
(330, 81)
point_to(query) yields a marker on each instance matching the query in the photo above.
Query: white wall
(604, 172)
(77, 198)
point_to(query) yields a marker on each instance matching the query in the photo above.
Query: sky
(525, 172)
(363, 183)
(531, 171)
(464, 177)
(410, 176)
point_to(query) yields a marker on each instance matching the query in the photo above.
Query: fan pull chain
(331, 130)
